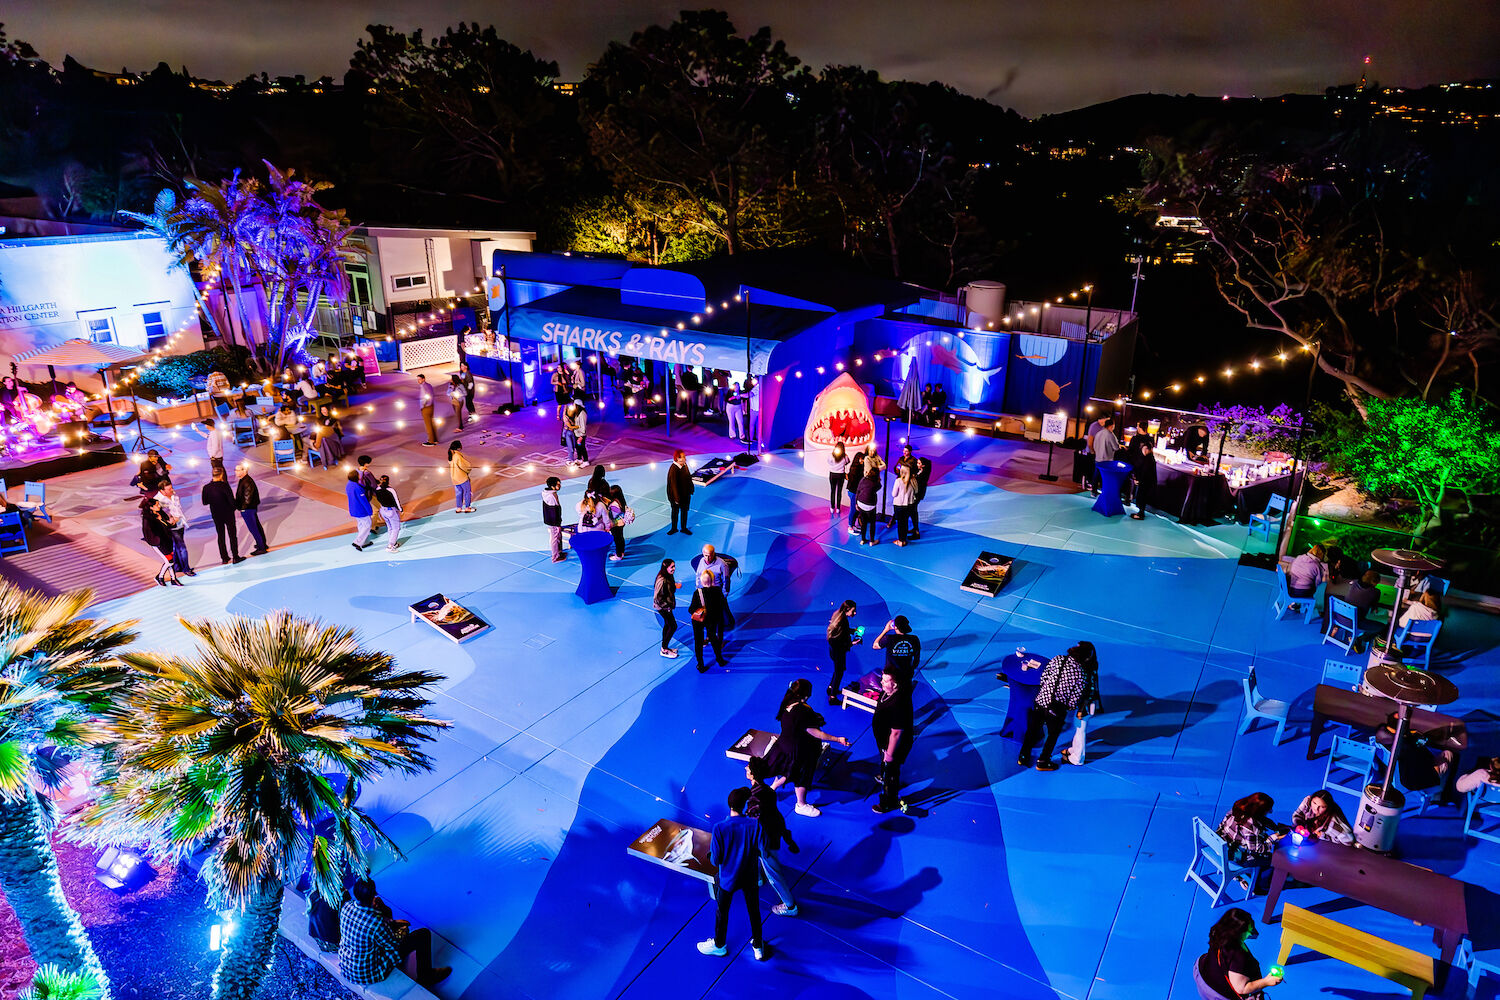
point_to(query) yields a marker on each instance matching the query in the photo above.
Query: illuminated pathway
(572, 735)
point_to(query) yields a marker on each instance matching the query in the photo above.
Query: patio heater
(1406, 563)
(1380, 806)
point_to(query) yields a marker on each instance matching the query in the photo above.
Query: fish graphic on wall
(1052, 390)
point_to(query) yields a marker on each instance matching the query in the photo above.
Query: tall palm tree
(228, 747)
(56, 671)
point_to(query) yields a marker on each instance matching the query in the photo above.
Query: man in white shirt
(1104, 444)
(215, 444)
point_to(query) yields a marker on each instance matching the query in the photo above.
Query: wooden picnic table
(1418, 894)
(1364, 711)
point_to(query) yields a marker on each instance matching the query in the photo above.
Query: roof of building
(766, 322)
(803, 273)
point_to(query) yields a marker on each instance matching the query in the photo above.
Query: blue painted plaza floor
(572, 735)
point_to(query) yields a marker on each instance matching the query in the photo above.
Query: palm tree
(52, 982)
(56, 671)
(161, 221)
(228, 748)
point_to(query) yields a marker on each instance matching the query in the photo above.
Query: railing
(1469, 568)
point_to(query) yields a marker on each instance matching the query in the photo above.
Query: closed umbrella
(911, 395)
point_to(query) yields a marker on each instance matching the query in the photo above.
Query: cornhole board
(863, 693)
(450, 618)
(713, 470)
(755, 743)
(680, 848)
(988, 574)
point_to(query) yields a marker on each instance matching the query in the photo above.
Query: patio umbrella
(911, 395)
(79, 353)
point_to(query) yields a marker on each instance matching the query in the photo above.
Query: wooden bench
(1365, 951)
(396, 986)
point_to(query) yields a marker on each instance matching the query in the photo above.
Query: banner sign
(453, 620)
(619, 337)
(1054, 426)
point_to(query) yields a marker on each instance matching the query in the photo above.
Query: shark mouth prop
(840, 413)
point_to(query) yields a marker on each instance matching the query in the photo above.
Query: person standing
(552, 516)
(562, 392)
(158, 534)
(736, 848)
(794, 755)
(247, 500)
(763, 809)
(214, 444)
(220, 501)
(1105, 444)
(921, 472)
(424, 402)
(679, 492)
(708, 610)
(360, 510)
(893, 726)
(841, 639)
(576, 428)
(903, 648)
(390, 511)
(734, 409)
(466, 379)
(1065, 680)
(664, 600)
(368, 482)
(851, 486)
(456, 400)
(1141, 455)
(458, 473)
(904, 499)
(838, 468)
(623, 516)
(690, 389)
(171, 505)
(864, 500)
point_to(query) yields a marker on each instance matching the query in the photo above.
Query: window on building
(156, 329)
(98, 328)
(405, 282)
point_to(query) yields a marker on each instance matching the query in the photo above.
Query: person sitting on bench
(371, 945)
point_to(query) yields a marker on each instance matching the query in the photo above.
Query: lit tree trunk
(246, 954)
(213, 321)
(29, 877)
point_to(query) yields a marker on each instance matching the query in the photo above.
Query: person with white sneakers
(794, 755)
(736, 848)
(664, 600)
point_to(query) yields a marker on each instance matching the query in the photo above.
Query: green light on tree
(1424, 450)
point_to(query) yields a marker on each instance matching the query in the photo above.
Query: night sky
(1037, 56)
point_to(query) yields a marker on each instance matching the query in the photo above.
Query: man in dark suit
(679, 492)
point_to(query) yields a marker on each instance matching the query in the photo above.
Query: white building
(402, 267)
(119, 288)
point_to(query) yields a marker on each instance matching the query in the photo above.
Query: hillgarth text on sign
(614, 342)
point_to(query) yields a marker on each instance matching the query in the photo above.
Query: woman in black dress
(1228, 969)
(158, 535)
(841, 639)
(1140, 453)
(708, 599)
(794, 757)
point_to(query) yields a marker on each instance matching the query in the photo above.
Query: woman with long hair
(664, 600)
(1249, 832)
(466, 379)
(864, 500)
(1321, 818)
(456, 397)
(794, 756)
(904, 499)
(841, 639)
(1228, 969)
(708, 598)
(158, 535)
(330, 435)
(622, 515)
(838, 468)
(458, 472)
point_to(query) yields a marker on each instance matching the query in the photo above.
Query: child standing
(552, 516)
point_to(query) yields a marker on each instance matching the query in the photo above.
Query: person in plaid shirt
(1065, 680)
(1249, 832)
(371, 944)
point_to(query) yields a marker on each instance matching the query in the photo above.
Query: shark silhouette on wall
(945, 358)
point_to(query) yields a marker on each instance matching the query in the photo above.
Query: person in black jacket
(247, 501)
(856, 473)
(1140, 453)
(864, 500)
(552, 516)
(709, 599)
(893, 727)
(156, 533)
(679, 492)
(220, 501)
(841, 639)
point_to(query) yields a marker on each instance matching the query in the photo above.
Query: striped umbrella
(79, 353)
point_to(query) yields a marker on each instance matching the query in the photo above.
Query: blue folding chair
(222, 409)
(1482, 813)
(1211, 867)
(12, 534)
(1271, 517)
(1259, 707)
(1438, 584)
(283, 452)
(244, 432)
(1342, 673)
(1478, 963)
(1416, 639)
(1349, 765)
(34, 497)
(1282, 602)
(1343, 625)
